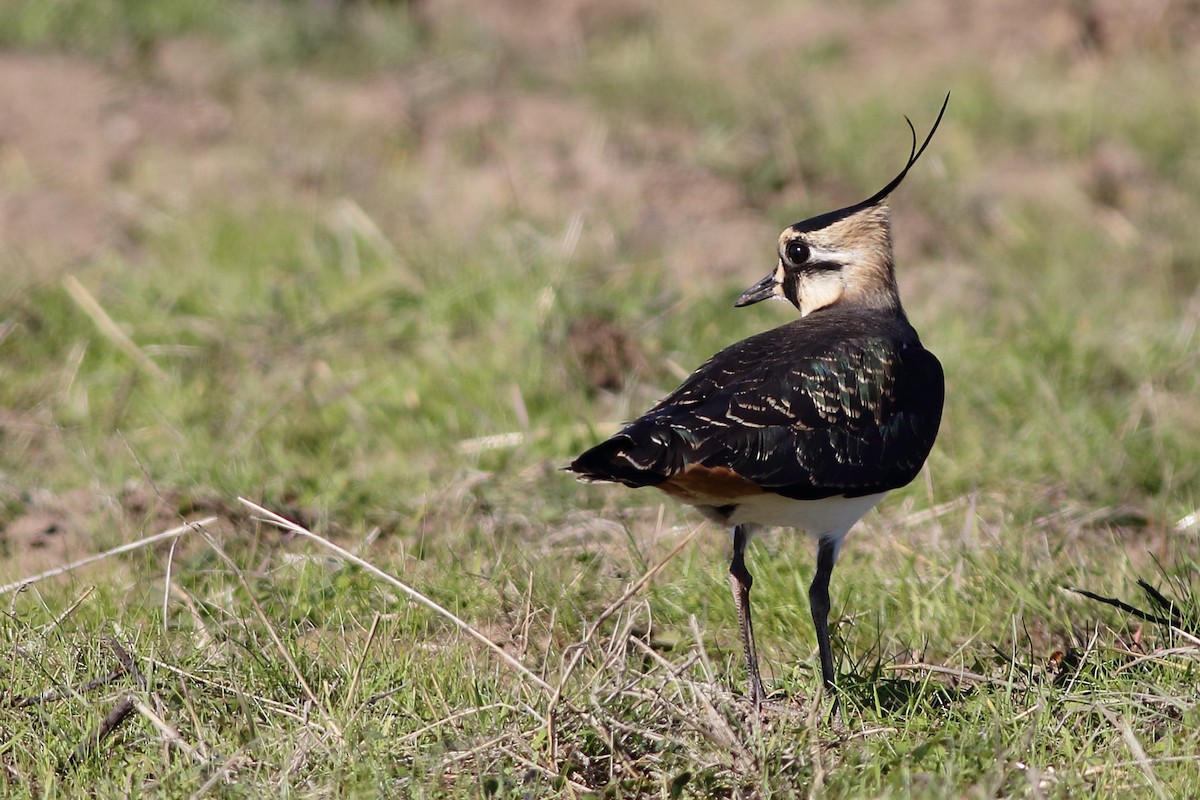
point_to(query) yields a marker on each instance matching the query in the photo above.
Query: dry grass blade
(419, 732)
(578, 648)
(111, 330)
(1098, 769)
(201, 635)
(1161, 656)
(221, 773)
(820, 772)
(362, 658)
(169, 734)
(538, 768)
(125, 548)
(960, 674)
(78, 601)
(263, 701)
(1137, 751)
(715, 727)
(288, 525)
(616, 605)
(1190, 637)
(275, 639)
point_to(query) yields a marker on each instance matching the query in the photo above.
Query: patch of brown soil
(56, 155)
(555, 25)
(87, 152)
(91, 154)
(49, 531)
(40, 530)
(73, 138)
(608, 356)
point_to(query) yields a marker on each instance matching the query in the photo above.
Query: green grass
(383, 252)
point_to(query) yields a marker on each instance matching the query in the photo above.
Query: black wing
(799, 412)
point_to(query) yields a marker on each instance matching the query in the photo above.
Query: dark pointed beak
(760, 291)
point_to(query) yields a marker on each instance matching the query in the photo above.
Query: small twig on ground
(120, 712)
(1173, 623)
(54, 695)
(125, 548)
(125, 660)
(1163, 602)
(126, 667)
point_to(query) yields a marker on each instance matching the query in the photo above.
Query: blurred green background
(386, 266)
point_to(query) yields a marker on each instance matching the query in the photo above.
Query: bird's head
(842, 257)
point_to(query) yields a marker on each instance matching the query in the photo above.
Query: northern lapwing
(808, 425)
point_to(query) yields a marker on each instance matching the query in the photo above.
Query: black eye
(795, 252)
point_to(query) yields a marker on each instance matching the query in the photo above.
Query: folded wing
(802, 417)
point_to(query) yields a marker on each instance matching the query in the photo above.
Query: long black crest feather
(912, 157)
(823, 220)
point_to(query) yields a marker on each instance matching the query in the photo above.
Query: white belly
(825, 518)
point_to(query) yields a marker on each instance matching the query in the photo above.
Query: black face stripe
(822, 266)
(791, 277)
(791, 287)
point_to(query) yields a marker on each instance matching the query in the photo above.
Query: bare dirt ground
(89, 149)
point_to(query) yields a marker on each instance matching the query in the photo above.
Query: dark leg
(739, 578)
(818, 599)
